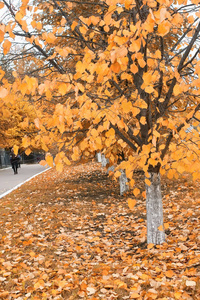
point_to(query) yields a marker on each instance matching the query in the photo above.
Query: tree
(120, 77)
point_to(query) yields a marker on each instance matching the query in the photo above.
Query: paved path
(9, 181)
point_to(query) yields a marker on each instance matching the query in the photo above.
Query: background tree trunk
(154, 207)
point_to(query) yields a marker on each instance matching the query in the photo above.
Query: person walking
(14, 160)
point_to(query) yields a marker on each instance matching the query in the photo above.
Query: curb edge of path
(17, 186)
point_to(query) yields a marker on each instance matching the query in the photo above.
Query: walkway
(9, 181)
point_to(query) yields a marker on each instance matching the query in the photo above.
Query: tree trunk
(123, 186)
(154, 207)
(98, 155)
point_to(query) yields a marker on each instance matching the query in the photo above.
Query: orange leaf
(39, 285)
(49, 160)
(134, 68)
(177, 295)
(15, 149)
(166, 225)
(143, 120)
(169, 274)
(32, 254)
(164, 28)
(177, 90)
(3, 92)
(59, 167)
(147, 181)
(117, 174)
(80, 68)
(136, 192)
(6, 46)
(4, 294)
(43, 162)
(150, 246)
(134, 295)
(116, 67)
(141, 62)
(160, 228)
(135, 46)
(19, 16)
(28, 151)
(149, 89)
(131, 203)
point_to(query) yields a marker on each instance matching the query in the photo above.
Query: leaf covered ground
(71, 236)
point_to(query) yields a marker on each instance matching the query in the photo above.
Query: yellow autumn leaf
(39, 25)
(116, 67)
(39, 284)
(134, 68)
(170, 174)
(80, 68)
(135, 111)
(33, 23)
(66, 161)
(1, 36)
(94, 132)
(143, 120)
(147, 181)
(150, 245)
(149, 89)
(177, 295)
(110, 133)
(28, 151)
(6, 46)
(166, 225)
(169, 274)
(128, 3)
(49, 160)
(25, 142)
(141, 62)
(135, 46)
(15, 149)
(134, 295)
(158, 54)
(32, 254)
(164, 28)
(136, 192)
(131, 203)
(18, 16)
(94, 20)
(177, 90)
(160, 228)
(127, 106)
(3, 92)
(62, 89)
(59, 167)
(43, 162)
(117, 174)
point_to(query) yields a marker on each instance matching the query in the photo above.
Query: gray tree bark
(123, 183)
(98, 156)
(104, 160)
(154, 209)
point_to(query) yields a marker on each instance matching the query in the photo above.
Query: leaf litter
(71, 236)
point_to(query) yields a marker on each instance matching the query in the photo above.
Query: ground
(71, 236)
